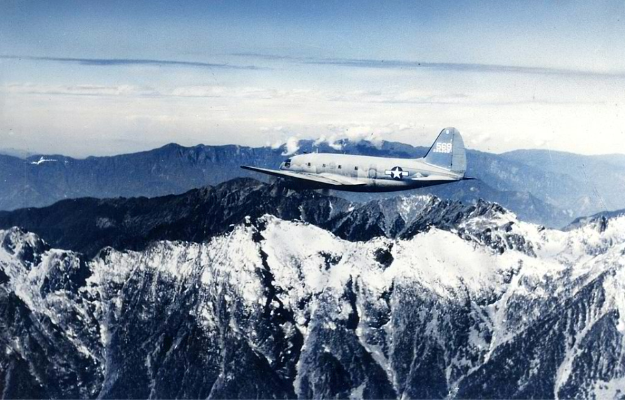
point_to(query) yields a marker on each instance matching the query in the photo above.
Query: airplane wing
(327, 179)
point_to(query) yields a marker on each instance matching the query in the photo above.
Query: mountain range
(548, 188)
(87, 225)
(251, 290)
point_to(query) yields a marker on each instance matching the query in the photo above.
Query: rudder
(448, 151)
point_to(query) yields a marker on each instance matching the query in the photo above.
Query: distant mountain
(588, 184)
(549, 196)
(524, 204)
(615, 159)
(171, 169)
(15, 153)
(449, 301)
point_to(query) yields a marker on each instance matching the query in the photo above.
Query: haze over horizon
(292, 146)
(90, 78)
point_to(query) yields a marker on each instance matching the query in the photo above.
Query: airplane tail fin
(448, 152)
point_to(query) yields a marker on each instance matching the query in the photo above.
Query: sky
(106, 77)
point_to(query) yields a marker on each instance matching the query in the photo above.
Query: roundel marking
(396, 173)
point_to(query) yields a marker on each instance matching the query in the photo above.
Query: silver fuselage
(379, 174)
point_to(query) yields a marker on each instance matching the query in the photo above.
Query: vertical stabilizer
(448, 152)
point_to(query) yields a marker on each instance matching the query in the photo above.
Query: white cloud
(356, 133)
(479, 139)
(291, 146)
(336, 145)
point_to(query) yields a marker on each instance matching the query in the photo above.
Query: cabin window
(287, 163)
(339, 166)
(323, 165)
(355, 168)
(309, 164)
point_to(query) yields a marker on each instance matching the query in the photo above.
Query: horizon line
(31, 154)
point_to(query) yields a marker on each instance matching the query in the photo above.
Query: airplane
(445, 162)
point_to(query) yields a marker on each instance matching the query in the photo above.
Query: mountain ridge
(547, 197)
(86, 225)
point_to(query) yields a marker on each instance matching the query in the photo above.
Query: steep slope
(282, 309)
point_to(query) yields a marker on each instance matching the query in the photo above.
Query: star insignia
(396, 173)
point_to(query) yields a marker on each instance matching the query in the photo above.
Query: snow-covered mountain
(464, 305)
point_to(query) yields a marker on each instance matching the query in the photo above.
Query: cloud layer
(112, 62)
(301, 98)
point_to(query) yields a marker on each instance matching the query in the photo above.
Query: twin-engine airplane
(445, 162)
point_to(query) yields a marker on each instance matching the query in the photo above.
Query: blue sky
(93, 77)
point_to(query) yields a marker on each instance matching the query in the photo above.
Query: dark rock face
(284, 309)
(87, 225)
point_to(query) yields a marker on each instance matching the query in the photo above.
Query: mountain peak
(23, 245)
